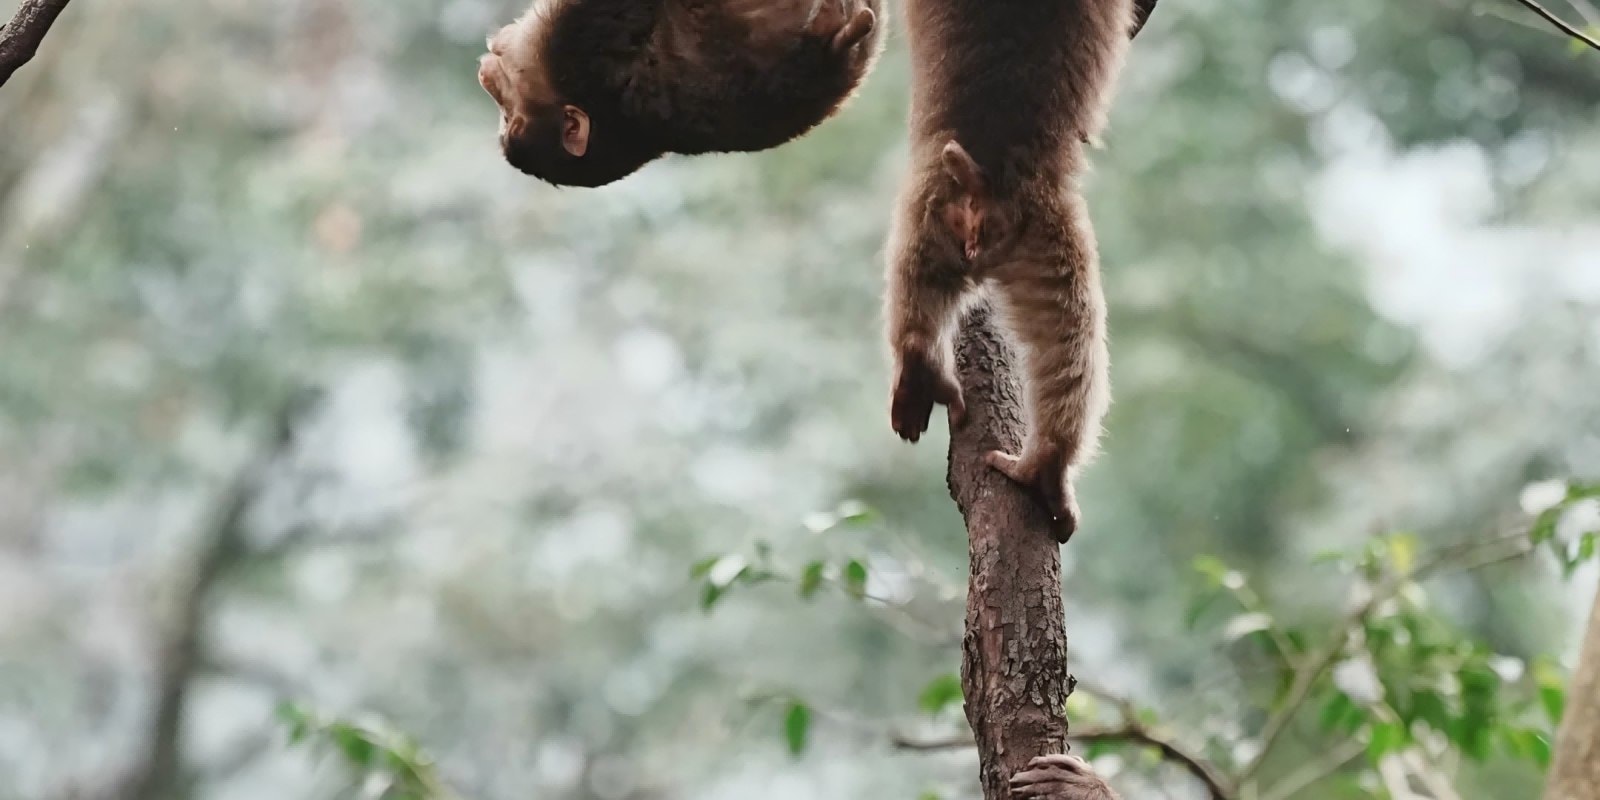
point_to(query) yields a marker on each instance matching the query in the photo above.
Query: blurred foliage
(1349, 253)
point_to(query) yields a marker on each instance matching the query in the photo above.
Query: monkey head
(544, 133)
(965, 207)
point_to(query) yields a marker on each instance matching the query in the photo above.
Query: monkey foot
(919, 386)
(1060, 777)
(1045, 476)
(842, 22)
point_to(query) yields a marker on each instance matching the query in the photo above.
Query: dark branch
(1134, 733)
(1127, 733)
(19, 40)
(1014, 653)
(1566, 27)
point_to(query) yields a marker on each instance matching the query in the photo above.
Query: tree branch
(19, 40)
(1136, 733)
(1566, 27)
(1014, 652)
(159, 774)
(1129, 732)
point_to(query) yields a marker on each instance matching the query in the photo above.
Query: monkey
(1061, 777)
(1004, 95)
(591, 90)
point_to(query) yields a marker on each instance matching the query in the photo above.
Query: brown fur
(672, 76)
(1060, 777)
(1004, 94)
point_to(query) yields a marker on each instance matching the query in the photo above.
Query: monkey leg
(921, 305)
(1060, 777)
(1043, 471)
(1052, 300)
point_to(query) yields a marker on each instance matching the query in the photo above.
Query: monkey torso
(1020, 83)
(699, 76)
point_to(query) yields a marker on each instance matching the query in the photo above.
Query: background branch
(1566, 27)
(20, 38)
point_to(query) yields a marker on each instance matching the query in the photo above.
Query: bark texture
(1014, 654)
(1575, 775)
(20, 38)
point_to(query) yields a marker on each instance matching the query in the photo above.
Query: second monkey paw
(1045, 476)
(918, 387)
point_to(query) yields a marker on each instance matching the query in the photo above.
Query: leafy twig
(1467, 556)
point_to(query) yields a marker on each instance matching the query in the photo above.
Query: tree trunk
(1575, 775)
(1014, 662)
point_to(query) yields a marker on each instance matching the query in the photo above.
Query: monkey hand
(1060, 777)
(919, 384)
(834, 20)
(1044, 472)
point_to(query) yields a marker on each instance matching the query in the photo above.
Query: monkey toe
(1059, 777)
(853, 32)
(958, 410)
(909, 412)
(1008, 465)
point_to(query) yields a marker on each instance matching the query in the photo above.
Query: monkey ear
(574, 130)
(963, 169)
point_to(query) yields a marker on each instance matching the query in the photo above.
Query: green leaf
(797, 727)
(297, 719)
(1245, 624)
(811, 578)
(929, 795)
(855, 579)
(1552, 690)
(353, 742)
(1198, 608)
(710, 594)
(1586, 546)
(940, 693)
(855, 512)
(1341, 713)
(1387, 737)
(1538, 745)
(1402, 552)
(1544, 526)
(1213, 569)
(702, 568)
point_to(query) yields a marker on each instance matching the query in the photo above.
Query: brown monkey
(591, 90)
(1061, 777)
(1004, 94)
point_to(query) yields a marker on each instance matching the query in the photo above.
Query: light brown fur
(996, 149)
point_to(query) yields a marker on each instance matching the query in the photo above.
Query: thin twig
(1315, 771)
(1566, 27)
(1131, 731)
(19, 40)
(1171, 751)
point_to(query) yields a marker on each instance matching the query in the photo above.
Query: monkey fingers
(1060, 777)
(855, 31)
(1045, 475)
(918, 387)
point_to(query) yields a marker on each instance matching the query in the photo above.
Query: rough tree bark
(1014, 654)
(20, 38)
(1575, 775)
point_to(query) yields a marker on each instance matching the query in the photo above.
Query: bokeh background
(1353, 259)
